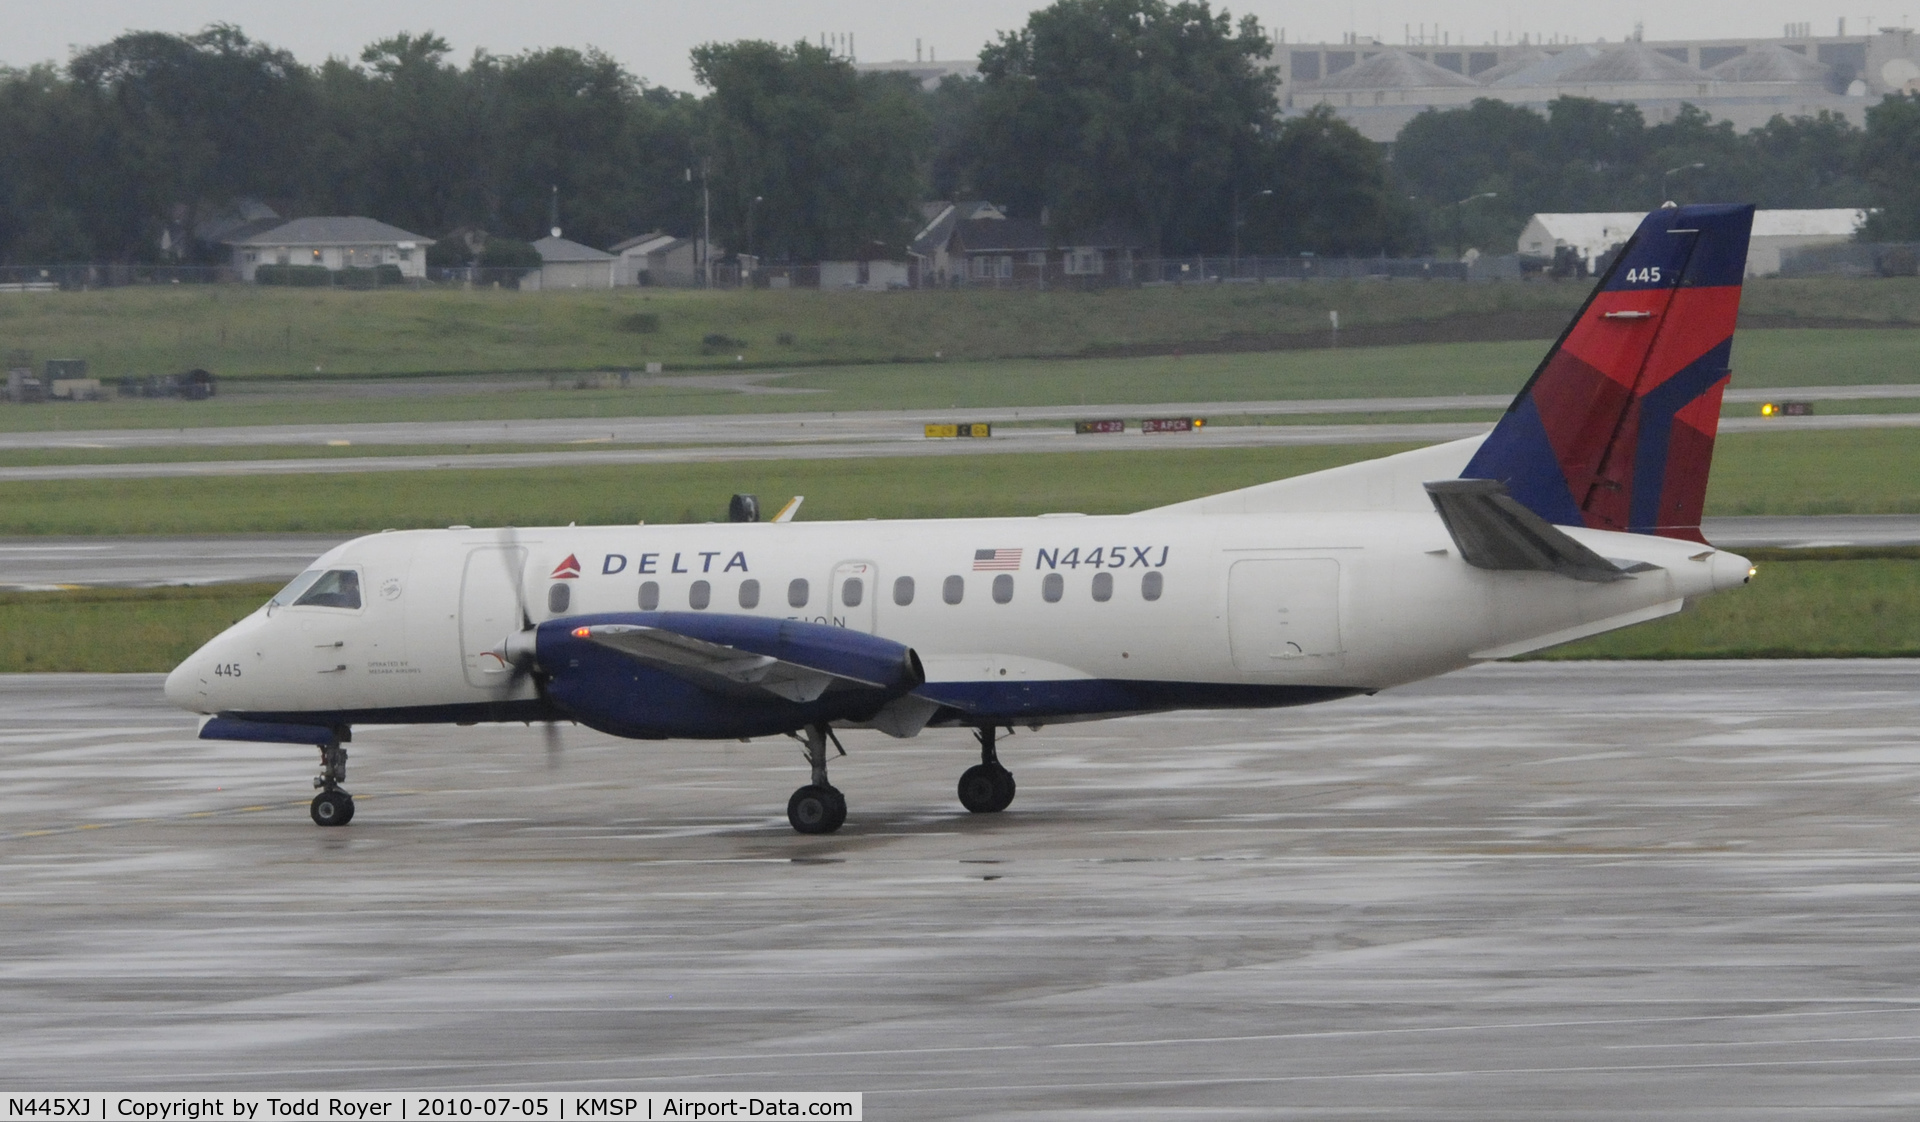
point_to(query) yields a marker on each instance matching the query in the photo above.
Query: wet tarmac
(1606, 891)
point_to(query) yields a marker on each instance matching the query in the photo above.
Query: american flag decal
(990, 559)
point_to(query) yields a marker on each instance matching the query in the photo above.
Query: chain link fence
(1001, 273)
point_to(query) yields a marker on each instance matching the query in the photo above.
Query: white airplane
(1578, 514)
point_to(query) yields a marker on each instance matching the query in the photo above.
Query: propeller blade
(515, 559)
(518, 650)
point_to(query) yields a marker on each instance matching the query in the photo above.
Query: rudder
(1615, 429)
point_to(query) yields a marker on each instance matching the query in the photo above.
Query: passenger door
(490, 610)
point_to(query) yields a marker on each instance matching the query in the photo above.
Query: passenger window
(558, 597)
(335, 588)
(749, 594)
(851, 590)
(797, 594)
(649, 595)
(699, 595)
(1150, 586)
(1051, 587)
(953, 589)
(1103, 587)
(1003, 588)
(903, 591)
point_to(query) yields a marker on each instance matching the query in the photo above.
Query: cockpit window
(295, 587)
(334, 588)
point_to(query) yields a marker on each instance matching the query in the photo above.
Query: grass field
(248, 331)
(1763, 359)
(1796, 609)
(113, 630)
(1800, 609)
(242, 331)
(1821, 472)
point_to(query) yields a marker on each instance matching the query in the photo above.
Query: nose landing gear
(819, 807)
(332, 806)
(986, 787)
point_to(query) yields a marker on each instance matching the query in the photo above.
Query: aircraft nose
(187, 685)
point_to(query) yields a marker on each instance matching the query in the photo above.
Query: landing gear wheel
(817, 809)
(986, 788)
(332, 808)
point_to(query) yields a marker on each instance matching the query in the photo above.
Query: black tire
(332, 808)
(817, 810)
(986, 788)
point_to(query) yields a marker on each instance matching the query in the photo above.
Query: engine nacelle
(699, 690)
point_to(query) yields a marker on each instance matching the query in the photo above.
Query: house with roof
(976, 242)
(658, 258)
(568, 264)
(346, 242)
(1590, 237)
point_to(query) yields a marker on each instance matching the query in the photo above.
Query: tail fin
(1615, 429)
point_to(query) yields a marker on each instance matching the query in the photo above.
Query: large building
(1378, 87)
(1590, 237)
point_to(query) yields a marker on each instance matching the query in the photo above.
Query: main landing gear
(819, 807)
(332, 806)
(986, 787)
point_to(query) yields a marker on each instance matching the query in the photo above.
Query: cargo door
(1283, 610)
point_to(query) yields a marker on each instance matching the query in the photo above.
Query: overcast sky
(653, 37)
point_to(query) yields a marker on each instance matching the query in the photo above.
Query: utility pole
(706, 221)
(1239, 220)
(1459, 223)
(1670, 173)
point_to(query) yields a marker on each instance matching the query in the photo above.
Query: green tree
(822, 160)
(401, 139)
(1330, 193)
(60, 197)
(1890, 160)
(570, 119)
(1694, 137)
(414, 140)
(1594, 150)
(1443, 157)
(1807, 162)
(1136, 112)
(200, 119)
(952, 107)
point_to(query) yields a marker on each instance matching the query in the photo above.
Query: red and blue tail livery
(1615, 429)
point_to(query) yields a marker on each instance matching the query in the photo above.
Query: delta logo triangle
(566, 570)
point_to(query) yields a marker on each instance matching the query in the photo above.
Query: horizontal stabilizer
(1493, 530)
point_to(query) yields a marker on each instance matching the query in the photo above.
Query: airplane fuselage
(1016, 620)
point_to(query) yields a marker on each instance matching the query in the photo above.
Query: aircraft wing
(1495, 531)
(719, 666)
